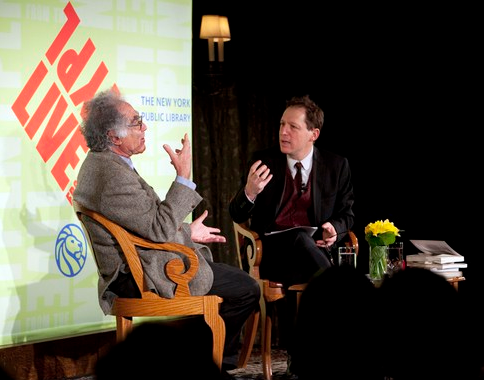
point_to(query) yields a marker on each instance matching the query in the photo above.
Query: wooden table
(455, 281)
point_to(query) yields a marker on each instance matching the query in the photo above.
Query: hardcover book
(444, 266)
(431, 258)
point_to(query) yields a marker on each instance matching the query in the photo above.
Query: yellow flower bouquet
(379, 235)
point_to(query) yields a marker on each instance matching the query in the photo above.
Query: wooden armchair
(150, 304)
(249, 248)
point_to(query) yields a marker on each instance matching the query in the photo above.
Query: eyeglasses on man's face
(137, 122)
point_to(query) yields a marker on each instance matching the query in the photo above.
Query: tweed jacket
(108, 185)
(331, 193)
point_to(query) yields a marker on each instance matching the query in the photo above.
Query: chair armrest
(351, 240)
(174, 269)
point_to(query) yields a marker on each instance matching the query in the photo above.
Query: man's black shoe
(226, 376)
(228, 367)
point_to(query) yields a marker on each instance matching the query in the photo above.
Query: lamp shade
(216, 27)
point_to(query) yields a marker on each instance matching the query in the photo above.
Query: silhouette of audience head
(424, 329)
(177, 349)
(333, 327)
(4, 375)
(415, 326)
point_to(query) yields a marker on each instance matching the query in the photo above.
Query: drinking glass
(347, 256)
(395, 260)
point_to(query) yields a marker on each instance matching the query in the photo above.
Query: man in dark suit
(273, 198)
(325, 200)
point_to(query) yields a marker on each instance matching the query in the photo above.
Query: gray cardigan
(108, 185)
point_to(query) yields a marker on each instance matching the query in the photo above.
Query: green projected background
(54, 55)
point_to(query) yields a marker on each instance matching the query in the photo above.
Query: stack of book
(438, 257)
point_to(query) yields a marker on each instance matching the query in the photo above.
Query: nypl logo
(70, 250)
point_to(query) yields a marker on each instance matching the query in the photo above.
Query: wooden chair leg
(250, 333)
(298, 299)
(124, 325)
(217, 325)
(266, 344)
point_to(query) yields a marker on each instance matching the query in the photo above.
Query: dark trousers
(291, 257)
(241, 294)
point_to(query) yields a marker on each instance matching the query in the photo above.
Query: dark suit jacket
(332, 192)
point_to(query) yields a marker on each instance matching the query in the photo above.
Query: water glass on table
(347, 256)
(395, 261)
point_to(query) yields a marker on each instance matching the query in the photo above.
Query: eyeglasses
(137, 122)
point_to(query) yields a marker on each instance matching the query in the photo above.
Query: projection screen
(54, 55)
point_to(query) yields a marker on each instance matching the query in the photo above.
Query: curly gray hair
(103, 115)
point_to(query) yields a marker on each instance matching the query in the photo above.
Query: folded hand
(329, 236)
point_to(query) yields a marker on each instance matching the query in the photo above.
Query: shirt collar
(128, 161)
(307, 162)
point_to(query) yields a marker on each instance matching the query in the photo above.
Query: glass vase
(378, 262)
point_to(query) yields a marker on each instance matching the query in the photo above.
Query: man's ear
(315, 134)
(114, 139)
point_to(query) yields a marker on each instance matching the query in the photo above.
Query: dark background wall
(399, 87)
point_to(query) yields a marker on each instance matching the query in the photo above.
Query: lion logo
(70, 250)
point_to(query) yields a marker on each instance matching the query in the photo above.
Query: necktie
(298, 178)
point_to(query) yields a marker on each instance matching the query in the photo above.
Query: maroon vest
(294, 208)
